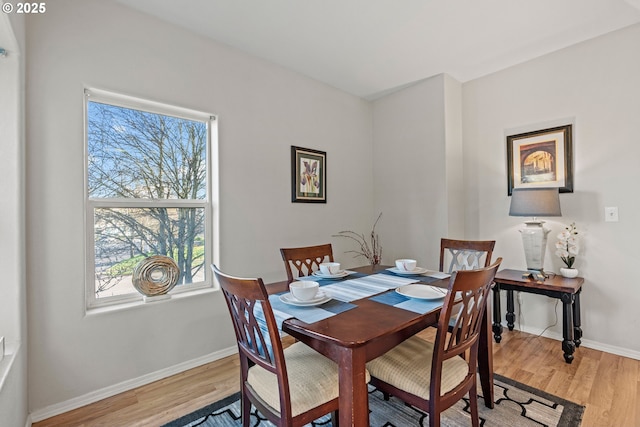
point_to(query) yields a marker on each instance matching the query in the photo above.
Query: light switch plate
(611, 214)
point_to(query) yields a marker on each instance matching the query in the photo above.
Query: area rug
(516, 404)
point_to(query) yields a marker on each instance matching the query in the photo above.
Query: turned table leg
(577, 330)
(511, 317)
(497, 321)
(568, 344)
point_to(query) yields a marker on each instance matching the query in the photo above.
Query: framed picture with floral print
(308, 175)
(541, 158)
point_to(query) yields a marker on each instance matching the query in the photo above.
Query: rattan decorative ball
(155, 275)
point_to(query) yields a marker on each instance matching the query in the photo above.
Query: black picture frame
(308, 175)
(541, 158)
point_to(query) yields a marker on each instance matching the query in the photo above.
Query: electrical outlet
(611, 214)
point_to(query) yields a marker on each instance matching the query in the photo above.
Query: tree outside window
(147, 176)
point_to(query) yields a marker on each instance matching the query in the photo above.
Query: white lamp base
(534, 240)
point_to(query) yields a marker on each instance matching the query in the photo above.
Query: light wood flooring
(608, 385)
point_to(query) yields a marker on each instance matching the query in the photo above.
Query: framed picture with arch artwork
(541, 158)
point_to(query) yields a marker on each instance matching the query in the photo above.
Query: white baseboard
(620, 351)
(94, 396)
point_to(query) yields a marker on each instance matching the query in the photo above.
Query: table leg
(485, 359)
(497, 321)
(568, 344)
(354, 396)
(511, 317)
(577, 330)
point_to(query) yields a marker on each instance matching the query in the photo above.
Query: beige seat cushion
(313, 379)
(408, 367)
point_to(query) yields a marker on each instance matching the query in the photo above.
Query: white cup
(330, 268)
(406, 264)
(304, 290)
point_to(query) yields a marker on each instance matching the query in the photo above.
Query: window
(149, 176)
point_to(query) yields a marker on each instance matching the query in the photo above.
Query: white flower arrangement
(567, 246)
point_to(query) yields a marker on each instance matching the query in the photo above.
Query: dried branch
(371, 250)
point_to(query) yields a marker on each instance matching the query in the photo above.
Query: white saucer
(338, 275)
(321, 298)
(421, 292)
(417, 270)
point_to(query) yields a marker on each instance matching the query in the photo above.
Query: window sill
(7, 362)
(90, 311)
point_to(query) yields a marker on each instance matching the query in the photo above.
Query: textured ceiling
(369, 47)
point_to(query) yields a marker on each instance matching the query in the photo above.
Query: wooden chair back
(244, 298)
(473, 287)
(305, 260)
(454, 340)
(465, 254)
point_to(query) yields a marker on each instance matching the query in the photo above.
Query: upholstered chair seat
(313, 379)
(408, 367)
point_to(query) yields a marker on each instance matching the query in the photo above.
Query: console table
(555, 286)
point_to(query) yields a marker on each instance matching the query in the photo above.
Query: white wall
(454, 176)
(13, 367)
(410, 170)
(595, 85)
(11, 205)
(263, 110)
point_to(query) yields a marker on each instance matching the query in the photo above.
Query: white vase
(569, 272)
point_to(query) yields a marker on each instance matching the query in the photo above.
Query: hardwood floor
(608, 385)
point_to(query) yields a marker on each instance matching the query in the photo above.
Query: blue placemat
(282, 312)
(420, 306)
(313, 314)
(364, 287)
(324, 282)
(423, 279)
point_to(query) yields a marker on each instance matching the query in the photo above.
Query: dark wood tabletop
(356, 336)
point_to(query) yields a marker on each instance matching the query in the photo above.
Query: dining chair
(434, 376)
(290, 387)
(465, 254)
(305, 260)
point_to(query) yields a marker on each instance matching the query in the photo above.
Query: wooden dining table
(354, 337)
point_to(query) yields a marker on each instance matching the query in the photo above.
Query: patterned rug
(516, 405)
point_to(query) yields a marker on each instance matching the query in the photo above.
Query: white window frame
(210, 203)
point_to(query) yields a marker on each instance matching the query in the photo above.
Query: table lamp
(535, 202)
